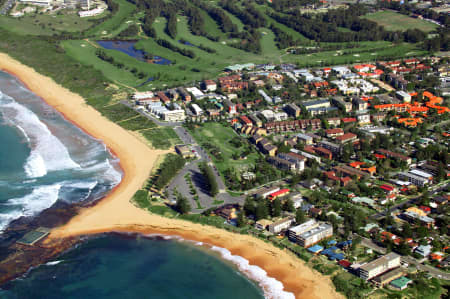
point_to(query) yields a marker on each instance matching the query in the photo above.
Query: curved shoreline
(116, 213)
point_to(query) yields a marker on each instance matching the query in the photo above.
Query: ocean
(45, 159)
(129, 266)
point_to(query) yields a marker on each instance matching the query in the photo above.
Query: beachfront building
(310, 233)
(280, 225)
(379, 266)
(91, 13)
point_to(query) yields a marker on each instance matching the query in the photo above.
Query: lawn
(116, 23)
(394, 21)
(161, 137)
(46, 24)
(220, 136)
(137, 123)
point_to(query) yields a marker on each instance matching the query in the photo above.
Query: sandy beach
(116, 213)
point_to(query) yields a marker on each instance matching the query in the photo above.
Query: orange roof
(356, 164)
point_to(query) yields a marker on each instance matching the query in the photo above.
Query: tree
(289, 205)
(249, 206)
(300, 216)
(407, 231)
(422, 232)
(276, 208)
(241, 219)
(183, 205)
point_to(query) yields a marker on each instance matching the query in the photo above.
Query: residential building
(423, 250)
(333, 147)
(301, 228)
(282, 164)
(316, 233)
(403, 96)
(280, 225)
(379, 266)
(363, 119)
(256, 121)
(184, 94)
(230, 106)
(196, 109)
(387, 277)
(316, 104)
(414, 179)
(303, 138)
(279, 193)
(344, 105)
(334, 121)
(184, 151)
(400, 283)
(176, 115)
(297, 159)
(292, 110)
(394, 155)
(210, 85)
(334, 132)
(262, 224)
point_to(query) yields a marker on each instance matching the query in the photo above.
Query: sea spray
(273, 288)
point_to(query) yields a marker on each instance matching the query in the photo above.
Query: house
(323, 152)
(403, 96)
(334, 121)
(346, 138)
(230, 106)
(184, 151)
(245, 120)
(400, 283)
(394, 155)
(341, 70)
(423, 250)
(163, 97)
(255, 120)
(334, 132)
(279, 193)
(303, 138)
(262, 224)
(210, 85)
(228, 211)
(268, 148)
(363, 119)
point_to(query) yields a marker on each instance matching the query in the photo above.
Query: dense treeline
(218, 15)
(171, 25)
(168, 45)
(250, 41)
(286, 5)
(210, 179)
(324, 28)
(168, 169)
(250, 16)
(130, 31)
(283, 39)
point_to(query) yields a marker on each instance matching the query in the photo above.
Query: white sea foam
(272, 288)
(53, 263)
(47, 151)
(5, 219)
(39, 199)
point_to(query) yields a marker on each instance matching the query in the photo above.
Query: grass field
(220, 136)
(117, 23)
(46, 24)
(161, 137)
(394, 21)
(137, 123)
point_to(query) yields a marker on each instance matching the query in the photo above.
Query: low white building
(197, 93)
(196, 109)
(90, 13)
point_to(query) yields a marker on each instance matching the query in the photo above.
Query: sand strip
(116, 213)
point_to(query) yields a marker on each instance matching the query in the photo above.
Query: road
(369, 244)
(179, 181)
(433, 190)
(431, 270)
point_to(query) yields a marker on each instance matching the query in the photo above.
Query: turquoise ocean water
(45, 159)
(120, 267)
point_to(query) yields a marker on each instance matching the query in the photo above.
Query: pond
(128, 48)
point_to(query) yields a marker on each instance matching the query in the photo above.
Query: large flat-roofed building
(310, 233)
(414, 179)
(315, 235)
(379, 266)
(174, 115)
(293, 110)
